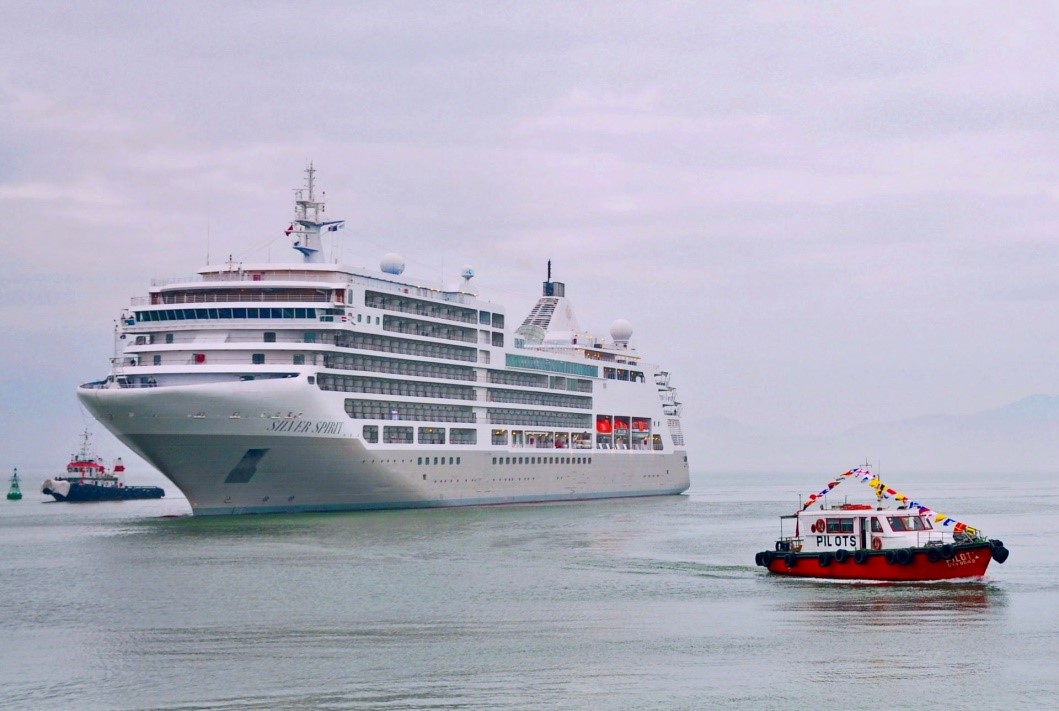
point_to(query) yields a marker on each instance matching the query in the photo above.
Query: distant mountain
(1021, 437)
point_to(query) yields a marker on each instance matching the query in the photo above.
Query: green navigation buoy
(14, 494)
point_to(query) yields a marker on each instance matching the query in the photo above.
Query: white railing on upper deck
(425, 292)
(239, 277)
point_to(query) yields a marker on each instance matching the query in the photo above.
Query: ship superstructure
(313, 386)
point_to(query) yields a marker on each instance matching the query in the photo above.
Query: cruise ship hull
(228, 450)
(312, 386)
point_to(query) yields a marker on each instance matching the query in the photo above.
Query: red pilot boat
(896, 539)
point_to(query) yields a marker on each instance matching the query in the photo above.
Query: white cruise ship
(311, 386)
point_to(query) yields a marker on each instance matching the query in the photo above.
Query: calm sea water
(651, 603)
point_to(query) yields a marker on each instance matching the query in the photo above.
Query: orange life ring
(876, 544)
(820, 526)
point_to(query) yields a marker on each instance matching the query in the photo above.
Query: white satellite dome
(621, 331)
(392, 263)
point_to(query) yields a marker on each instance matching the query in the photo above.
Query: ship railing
(645, 446)
(194, 298)
(240, 275)
(166, 281)
(930, 538)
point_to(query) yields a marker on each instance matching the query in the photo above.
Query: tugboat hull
(898, 565)
(85, 492)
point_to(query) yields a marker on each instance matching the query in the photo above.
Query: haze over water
(650, 603)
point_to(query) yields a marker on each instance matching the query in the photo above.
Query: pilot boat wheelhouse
(903, 542)
(312, 386)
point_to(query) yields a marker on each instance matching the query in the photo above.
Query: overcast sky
(815, 215)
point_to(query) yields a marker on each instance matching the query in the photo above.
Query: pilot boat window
(908, 523)
(876, 527)
(840, 525)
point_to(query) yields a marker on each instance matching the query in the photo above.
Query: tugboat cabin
(854, 527)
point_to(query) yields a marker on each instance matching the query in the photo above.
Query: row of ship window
(359, 409)
(404, 304)
(533, 380)
(539, 398)
(372, 299)
(381, 386)
(406, 388)
(419, 369)
(542, 460)
(403, 434)
(421, 411)
(425, 461)
(634, 376)
(539, 418)
(206, 296)
(513, 360)
(429, 329)
(224, 313)
(396, 434)
(367, 341)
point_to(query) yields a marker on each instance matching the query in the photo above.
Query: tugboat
(88, 480)
(903, 541)
(14, 493)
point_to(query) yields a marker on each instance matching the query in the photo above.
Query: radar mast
(308, 221)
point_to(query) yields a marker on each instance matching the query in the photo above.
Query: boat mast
(308, 220)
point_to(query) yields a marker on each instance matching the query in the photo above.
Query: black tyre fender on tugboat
(841, 555)
(948, 551)
(903, 556)
(933, 554)
(860, 556)
(791, 559)
(824, 559)
(890, 559)
(999, 553)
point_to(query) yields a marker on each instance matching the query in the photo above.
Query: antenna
(549, 270)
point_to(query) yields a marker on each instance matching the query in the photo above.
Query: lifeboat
(896, 539)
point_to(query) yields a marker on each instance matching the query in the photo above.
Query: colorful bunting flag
(865, 475)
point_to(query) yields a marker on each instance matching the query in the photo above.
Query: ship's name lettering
(845, 540)
(324, 427)
(962, 559)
